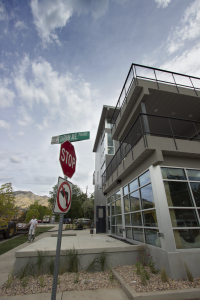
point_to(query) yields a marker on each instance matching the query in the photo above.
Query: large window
(182, 187)
(110, 144)
(115, 214)
(139, 211)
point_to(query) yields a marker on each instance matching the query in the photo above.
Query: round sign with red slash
(63, 198)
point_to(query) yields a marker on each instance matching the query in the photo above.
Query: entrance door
(101, 219)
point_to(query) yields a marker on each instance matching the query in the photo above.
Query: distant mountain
(25, 199)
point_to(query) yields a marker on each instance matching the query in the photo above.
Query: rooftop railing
(153, 74)
(154, 125)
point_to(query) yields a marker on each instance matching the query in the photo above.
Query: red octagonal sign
(67, 159)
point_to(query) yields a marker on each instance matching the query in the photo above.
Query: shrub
(111, 276)
(76, 278)
(73, 260)
(142, 250)
(138, 267)
(26, 270)
(143, 278)
(51, 266)
(151, 265)
(9, 280)
(40, 260)
(25, 282)
(99, 262)
(163, 274)
(41, 281)
(189, 274)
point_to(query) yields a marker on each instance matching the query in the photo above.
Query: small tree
(53, 194)
(7, 201)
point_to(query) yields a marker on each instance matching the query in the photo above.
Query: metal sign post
(57, 259)
(61, 206)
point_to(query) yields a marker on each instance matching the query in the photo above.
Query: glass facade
(182, 187)
(139, 211)
(115, 214)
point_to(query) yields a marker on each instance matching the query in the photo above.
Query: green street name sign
(72, 137)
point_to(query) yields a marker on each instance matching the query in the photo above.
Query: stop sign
(67, 159)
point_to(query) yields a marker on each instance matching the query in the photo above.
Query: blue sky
(62, 60)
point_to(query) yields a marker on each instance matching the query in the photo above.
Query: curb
(182, 294)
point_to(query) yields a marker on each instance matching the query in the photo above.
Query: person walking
(33, 223)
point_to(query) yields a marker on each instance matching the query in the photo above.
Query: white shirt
(33, 222)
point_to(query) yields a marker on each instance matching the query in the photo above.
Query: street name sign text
(72, 137)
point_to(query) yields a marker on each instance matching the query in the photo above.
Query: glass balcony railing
(154, 125)
(152, 74)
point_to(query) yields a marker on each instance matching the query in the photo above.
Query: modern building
(151, 184)
(104, 148)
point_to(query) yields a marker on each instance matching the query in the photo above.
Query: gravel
(91, 281)
(154, 283)
(67, 282)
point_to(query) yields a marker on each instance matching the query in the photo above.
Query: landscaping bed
(67, 282)
(128, 273)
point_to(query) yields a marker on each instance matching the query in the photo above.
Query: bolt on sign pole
(62, 205)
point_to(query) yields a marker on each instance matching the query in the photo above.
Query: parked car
(66, 221)
(46, 219)
(39, 221)
(86, 222)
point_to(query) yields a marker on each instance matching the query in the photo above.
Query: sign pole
(57, 259)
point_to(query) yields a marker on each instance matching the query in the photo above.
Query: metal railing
(154, 125)
(153, 74)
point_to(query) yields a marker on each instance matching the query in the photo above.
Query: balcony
(150, 133)
(154, 82)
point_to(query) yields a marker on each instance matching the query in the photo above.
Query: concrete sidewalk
(110, 294)
(7, 259)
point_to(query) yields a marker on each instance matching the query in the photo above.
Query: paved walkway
(7, 261)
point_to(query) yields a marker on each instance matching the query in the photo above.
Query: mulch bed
(67, 282)
(128, 273)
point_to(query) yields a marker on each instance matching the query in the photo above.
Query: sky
(62, 60)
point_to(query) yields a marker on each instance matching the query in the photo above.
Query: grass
(11, 244)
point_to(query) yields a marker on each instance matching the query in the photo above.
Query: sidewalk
(7, 259)
(107, 294)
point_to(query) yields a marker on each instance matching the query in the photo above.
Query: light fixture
(155, 110)
(173, 113)
(190, 116)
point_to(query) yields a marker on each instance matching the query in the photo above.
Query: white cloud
(186, 63)
(4, 124)
(15, 159)
(162, 3)
(61, 94)
(3, 14)
(4, 178)
(6, 95)
(50, 15)
(20, 133)
(43, 125)
(188, 30)
(24, 117)
(20, 25)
